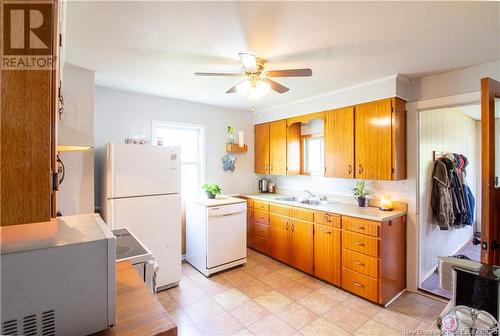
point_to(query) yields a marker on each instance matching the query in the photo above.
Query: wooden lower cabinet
(250, 228)
(374, 262)
(366, 258)
(279, 232)
(327, 263)
(301, 250)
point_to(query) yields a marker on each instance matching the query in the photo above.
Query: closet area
(450, 193)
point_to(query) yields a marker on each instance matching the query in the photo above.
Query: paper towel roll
(241, 140)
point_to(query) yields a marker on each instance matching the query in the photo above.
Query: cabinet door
(339, 143)
(250, 228)
(279, 228)
(261, 165)
(277, 147)
(374, 140)
(327, 263)
(301, 245)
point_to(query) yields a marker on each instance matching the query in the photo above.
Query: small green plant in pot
(212, 189)
(360, 193)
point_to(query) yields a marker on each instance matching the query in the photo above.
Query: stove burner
(120, 250)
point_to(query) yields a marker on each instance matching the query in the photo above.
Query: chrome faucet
(310, 193)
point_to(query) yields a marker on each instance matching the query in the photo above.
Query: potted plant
(211, 189)
(360, 193)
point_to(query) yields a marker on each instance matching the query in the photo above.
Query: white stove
(129, 248)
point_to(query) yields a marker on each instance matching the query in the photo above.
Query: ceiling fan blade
(233, 89)
(290, 73)
(276, 86)
(249, 62)
(217, 74)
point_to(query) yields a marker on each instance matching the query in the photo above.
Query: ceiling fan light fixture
(243, 88)
(259, 89)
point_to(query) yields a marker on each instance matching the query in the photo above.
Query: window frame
(303, 140)
(155, 124)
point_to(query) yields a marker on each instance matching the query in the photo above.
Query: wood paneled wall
(446, 130)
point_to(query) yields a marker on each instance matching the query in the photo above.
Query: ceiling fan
(256, 81)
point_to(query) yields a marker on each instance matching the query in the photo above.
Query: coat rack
(438, 154)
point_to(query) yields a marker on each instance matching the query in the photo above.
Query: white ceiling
(155, 47)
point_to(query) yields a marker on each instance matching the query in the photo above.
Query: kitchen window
(313, 158)
(191, 139)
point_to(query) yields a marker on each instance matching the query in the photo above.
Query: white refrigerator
(143, 185)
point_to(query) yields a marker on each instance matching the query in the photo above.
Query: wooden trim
(490, 195)
(306, 118)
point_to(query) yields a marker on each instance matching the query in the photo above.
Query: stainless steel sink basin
(314, 202)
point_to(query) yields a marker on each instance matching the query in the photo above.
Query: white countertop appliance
(129, 248)
(143, 185)
(58, 277)
(215, 233)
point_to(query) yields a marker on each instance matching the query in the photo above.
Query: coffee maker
(263, 185)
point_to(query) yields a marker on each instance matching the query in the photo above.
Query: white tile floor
(266, 297)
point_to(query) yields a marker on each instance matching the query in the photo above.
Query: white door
(226, 234)
(138, 170)
(156, 221)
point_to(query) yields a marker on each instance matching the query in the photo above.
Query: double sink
(307, 201)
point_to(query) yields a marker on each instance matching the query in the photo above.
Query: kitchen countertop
(218, 201)
(352, 210)
(138, 312)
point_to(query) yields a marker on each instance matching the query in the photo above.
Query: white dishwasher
(215, 233)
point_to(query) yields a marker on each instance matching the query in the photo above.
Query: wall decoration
(230, 132)
(228, 162)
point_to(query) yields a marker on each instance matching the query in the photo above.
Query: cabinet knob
(328, 232)
(358, 263)
(360, 169)
(350, 169)
(271, 167)
(359, 227)
(359, 243)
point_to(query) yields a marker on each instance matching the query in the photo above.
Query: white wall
(76, 194)
(453, 82)
(120, 114)
(452, 131)
(391, 86)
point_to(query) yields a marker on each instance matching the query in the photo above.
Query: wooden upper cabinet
(366, 141)
(380, 140)
(28, 121)
(339, 143)
(293, 152)
(278, 147)
(261, 163)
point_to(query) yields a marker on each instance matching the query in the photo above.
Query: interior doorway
(449, 142)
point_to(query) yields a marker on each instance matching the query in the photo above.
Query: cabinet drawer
(261, 217)
(259, 205)
(360, 284)
(277, 209)
(360, 263)
(361, 243)
(364, 226)
(327, 219)
(302, 214)
(261, 244)
(262, 230)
